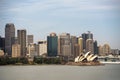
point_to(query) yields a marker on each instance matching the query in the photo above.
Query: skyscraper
(80, 43)
(22, 41)
(2, 43)
(100, 50)
(9, 34)
(89, 35)
(89, 45)
(95, 47)
(73, 43)
(29, 39)
(76, 50)
(52, 45)
(65, 44)
(106, 49)
(42, 47)
(16, 50)
(86, 36)
(31, 50)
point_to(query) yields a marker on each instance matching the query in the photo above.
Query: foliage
(46, 60)
(9, 60)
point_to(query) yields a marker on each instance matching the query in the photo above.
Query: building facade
(42, 47)
(2, 43)
(106, 49)
(16, 50)
(52, 45)
(1, 52)
(65, 44)
(31, 50)
(22, 41)
(29, 39)
(9, 34)
(73, 43)
(100, 50)
(89, 45)
(86, 36)
(95, 47)
(80, 43)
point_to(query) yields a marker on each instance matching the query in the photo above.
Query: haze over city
(41, 17)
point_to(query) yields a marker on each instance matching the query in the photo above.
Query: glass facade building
(52, 45)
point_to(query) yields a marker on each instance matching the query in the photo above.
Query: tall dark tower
(84, 36)
(52, 45)
(2, 43)
(9, 34)
(89, 35)
(95, 48)
(22, 41)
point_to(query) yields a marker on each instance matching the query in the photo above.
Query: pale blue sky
(41, 17)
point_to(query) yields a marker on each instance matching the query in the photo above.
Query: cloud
(61, 4)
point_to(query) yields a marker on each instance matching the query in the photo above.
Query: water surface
(60, 72)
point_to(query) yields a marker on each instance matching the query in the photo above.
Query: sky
(41, 17)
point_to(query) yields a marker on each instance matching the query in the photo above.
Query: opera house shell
(86, 57)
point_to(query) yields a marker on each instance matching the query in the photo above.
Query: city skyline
(40, 18)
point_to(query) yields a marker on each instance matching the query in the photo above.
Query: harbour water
(60, 72)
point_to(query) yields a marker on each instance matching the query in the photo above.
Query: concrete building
(52, 45)
(31, 50)
(95, 47)
(22, 41)
(2, 43)
(9, 34)
(115, 51)
(29, 39)
(16, 51)
(76, 50)
(89, 35)
(73, 43)
(86, 36)
(100, 49)
(80, 43)
(106, 49)
(89, 45)
(1, 53)
(42, 47)
(65, 44)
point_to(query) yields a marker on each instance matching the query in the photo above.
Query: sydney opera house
(86, 57)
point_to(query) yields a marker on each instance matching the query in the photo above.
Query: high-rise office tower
(100, 50)
(2, 43)
(9, 34)
(95, 47)
(73, 42)
(86, 36)
(106, 49)
(31, 50)
(52, 45)
(29, 39)
(22, 41)
(89, 45)
(76, 50)
(16, 50)
(89, 35)
(42, 47)
(1, 53)
(80, 43)
(65, 44)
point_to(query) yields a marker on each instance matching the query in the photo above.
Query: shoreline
(85, 63)
(65, 64)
